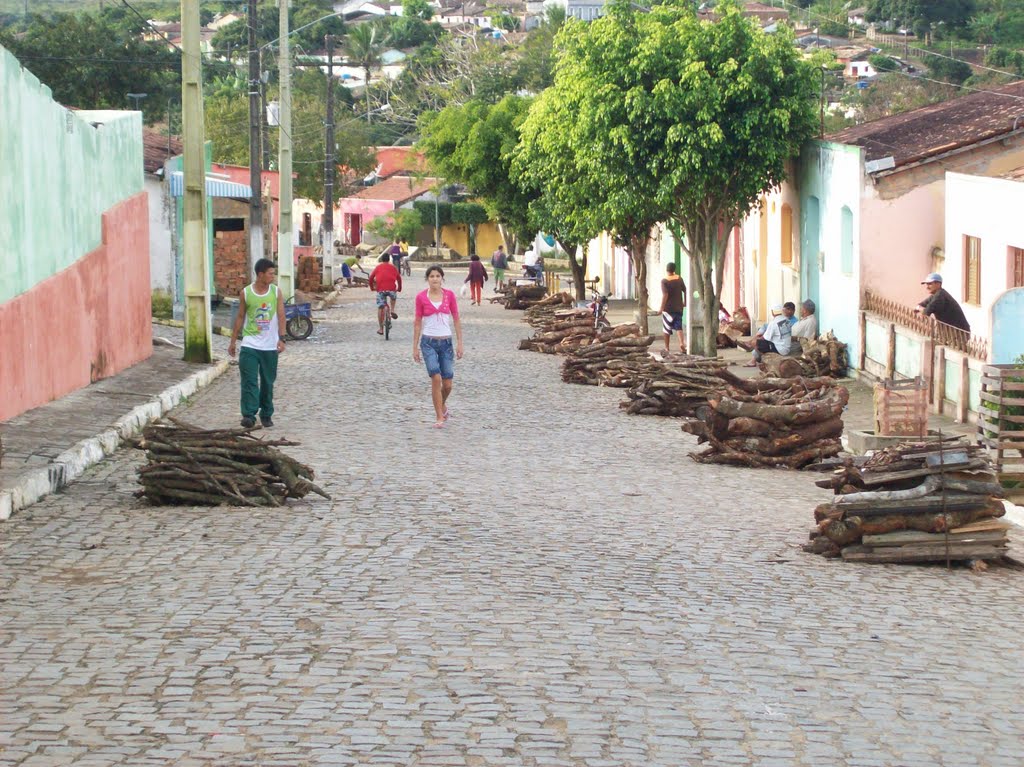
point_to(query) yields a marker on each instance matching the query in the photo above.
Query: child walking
(260, 320)
(476, 279)
(437, 315)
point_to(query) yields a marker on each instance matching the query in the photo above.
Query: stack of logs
(563, 332)
(540, 314)
(825, 356)
(197, 467)
(914, 502)
(771, 422)
(676, 387)
(615, 357)
(524, 296)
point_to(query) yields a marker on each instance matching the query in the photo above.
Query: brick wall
(230, 262)
(309, 274)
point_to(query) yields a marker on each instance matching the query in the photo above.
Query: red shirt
(385, 277)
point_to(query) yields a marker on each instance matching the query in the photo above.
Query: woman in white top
(437, 316)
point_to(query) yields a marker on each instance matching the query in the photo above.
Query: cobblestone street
(546, 581)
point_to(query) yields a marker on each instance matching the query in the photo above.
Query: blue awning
(215, 187)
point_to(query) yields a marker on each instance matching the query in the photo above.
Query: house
(75, 293)
(983, 257)
(873, 208)
(222, 20)
(157, 150)
(855, 61)
(365, 10)
(857, 16)
(361, 207)
(766, 15)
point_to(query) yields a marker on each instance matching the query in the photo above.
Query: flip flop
(447, 414)
(438, 424)
(380, 332)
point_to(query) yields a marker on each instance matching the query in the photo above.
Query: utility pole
(255, 177)
(198, 342)
(328, 230)
(285, 251)
(264, 127)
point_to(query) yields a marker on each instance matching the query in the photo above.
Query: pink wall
(897, 237)
(86, 322)
(368, 209)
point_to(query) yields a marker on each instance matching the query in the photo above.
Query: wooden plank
(904, 537)
(931, 504)
(904, 554)
(895, 476)
(997, 383)
(981, 526)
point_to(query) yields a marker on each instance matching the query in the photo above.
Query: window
(972, 269)
(1015, 268)
(787, 235)
(846, 246)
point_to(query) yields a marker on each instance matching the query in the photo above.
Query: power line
(146, 22)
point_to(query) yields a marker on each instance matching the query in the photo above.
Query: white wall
(990, 209)
(161, 213)
(781, 281)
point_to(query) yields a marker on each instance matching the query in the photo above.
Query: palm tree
(364, 45)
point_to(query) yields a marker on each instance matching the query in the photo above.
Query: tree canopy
(668, 117)
(474, 144)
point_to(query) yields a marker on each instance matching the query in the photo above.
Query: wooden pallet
(901, 408)
(1001, 420)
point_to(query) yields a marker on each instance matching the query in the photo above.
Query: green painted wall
(58, 174)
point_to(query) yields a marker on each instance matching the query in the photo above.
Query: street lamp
(136, 97)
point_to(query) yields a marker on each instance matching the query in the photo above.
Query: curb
(69, 465)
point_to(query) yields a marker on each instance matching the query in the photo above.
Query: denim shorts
(384, 295)
(439, 356)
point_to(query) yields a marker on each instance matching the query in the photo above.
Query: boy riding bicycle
(387, 282)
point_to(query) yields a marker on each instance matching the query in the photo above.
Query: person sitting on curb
(777, 337)
(806, 327)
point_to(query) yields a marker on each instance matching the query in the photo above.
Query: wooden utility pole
(255, 176)
(329, 168)
(285, 251)
(198, 341)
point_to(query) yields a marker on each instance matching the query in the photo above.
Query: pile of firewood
(825, 356)
(198, 467)
(677, 386)
(616, 357)
(565, 331)
(543, 312)
(733, 330)
(771, 422)
(523, 296)
(914, 502)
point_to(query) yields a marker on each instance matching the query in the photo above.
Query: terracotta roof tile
(154, 149)
(398, 189)
(938, 128)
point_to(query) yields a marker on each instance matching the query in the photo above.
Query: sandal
(438, 424)
(380, 332)
(447, 414)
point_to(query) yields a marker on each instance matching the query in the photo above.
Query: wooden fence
(1001, 421)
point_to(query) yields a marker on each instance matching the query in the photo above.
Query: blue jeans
(439, 356)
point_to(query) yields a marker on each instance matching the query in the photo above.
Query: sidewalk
(49, 446)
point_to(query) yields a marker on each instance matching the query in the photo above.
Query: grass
(162, 305)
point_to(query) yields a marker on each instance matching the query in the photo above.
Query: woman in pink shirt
(437, 315)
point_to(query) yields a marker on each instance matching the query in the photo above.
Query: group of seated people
(782, 333)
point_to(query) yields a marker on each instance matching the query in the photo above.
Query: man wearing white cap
(941, 305)
(777, 337)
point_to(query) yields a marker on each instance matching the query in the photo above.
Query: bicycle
(405, 267)
(298, 320)
(387, 309)
(599, 308)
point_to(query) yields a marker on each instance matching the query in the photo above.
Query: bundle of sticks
(825, 356)
(523, 296)
(771, 422)
(190, 466)
(913, 502)
(617, 356)
(561, 333)
(676, 387)
(543, 312)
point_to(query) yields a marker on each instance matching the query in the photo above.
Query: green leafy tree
(91, 61)
(949, 70)
(364, 46)
(545, 166)
(505, 21)
(474, 144)
(417, 9)
(402, 224)
(882, 63)
(677, 119)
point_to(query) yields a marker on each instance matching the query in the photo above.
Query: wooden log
(904, 537)
(789, 415)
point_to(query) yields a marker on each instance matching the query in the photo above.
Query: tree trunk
(638, 255)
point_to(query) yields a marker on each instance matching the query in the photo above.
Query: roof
(396, 159)
(397, 189)
(215, 187)
(157, 149)
(1017, 174)
(938, 128)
